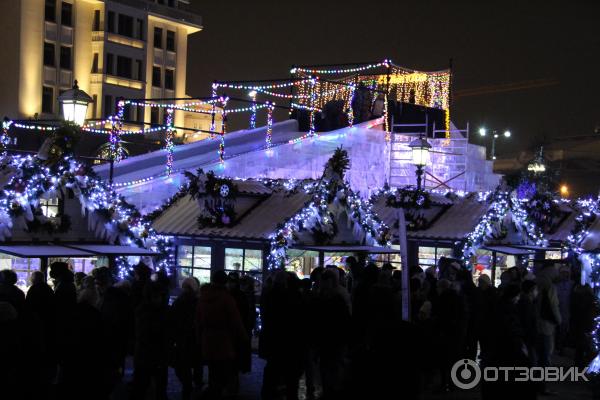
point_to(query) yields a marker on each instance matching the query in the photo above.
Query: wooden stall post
(405, 268)
(493, 268)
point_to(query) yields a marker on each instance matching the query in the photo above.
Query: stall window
(243, 260)
(50, 207)
(555, 255)
(22, 266)
(194, 261)
(85, 265)
(430, 256)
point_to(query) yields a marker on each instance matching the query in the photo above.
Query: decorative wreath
(219, 195)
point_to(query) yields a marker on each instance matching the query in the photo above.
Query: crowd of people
(341, 331)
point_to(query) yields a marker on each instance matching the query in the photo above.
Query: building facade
(113, 48)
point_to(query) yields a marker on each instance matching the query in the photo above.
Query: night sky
(495, 43)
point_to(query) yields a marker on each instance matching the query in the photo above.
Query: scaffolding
(454, 163)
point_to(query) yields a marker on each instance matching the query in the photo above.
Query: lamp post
(420, 156)
(74, 105)
(495, 135)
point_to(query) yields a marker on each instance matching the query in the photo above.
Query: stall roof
(111, 250)
(591, 242)
(350, 249)
(456, 221)
(35, 251)
(513, 251)
(259, 222)
(535, 248)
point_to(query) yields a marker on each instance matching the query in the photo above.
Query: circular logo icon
(465, 374)
(224, 191)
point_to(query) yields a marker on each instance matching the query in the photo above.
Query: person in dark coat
(488, 298)
(526, 308)
(244, 360)
(151, 344)
(10, 354)
(141, 277)
(332, 323)
(449, 311)
(510, 349)
(65, 300)
(187, 360)
(116, 310)
(221, 331)
(84, 369)
(9, 291)
(40, 301)
(282, 340)
(65, 293)
(584, 311)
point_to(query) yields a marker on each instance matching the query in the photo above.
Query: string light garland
(258, 88)
(253, 109)
(270, 125)
(589, 210)
(115, 149)
(313, 99)
(386, 120)
(34, 126)
(5, 138)
(337, 71)
(485, 227)
(223, 131)
(113, 218)
(350, 110)
(214, 108)
(169, 141)
(330, 195)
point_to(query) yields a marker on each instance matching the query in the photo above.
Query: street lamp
(495, 135)
(420, 156)
(74, 104)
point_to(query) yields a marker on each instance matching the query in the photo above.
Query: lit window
(47, 100)
(65, 57)
(156, 75)
(49, 54)
(243, 260)
(50, 11)
(66, 13)
(169, 79)
(170, 40)
(194, 261)
(158, 38)
(50, 207)
(430, 256)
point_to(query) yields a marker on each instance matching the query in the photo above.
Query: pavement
(250, 385)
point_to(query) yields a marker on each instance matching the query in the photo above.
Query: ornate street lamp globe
(74, 105)
(420, 151)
